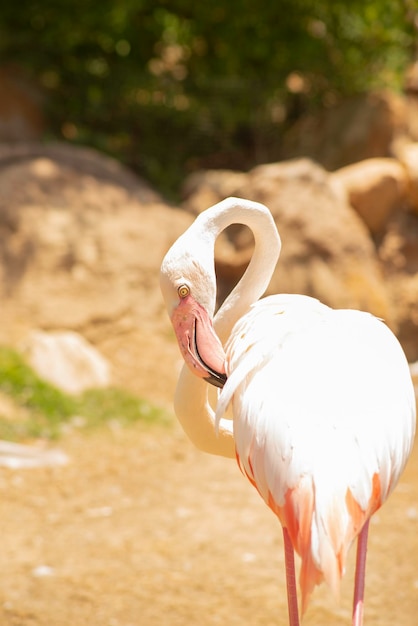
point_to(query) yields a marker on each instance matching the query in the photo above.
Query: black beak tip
(216, 379)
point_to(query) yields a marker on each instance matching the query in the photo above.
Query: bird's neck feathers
(197, 244)
(195, 252)
(257, 276)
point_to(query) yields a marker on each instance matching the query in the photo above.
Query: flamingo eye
(183, 291)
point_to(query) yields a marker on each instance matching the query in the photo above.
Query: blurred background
(172, 86)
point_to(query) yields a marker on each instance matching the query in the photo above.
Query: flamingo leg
(358, 601)
(292, 596)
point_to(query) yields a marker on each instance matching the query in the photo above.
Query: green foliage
(48, 410)
(169, 85)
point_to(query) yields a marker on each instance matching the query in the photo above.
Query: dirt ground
(141, 529)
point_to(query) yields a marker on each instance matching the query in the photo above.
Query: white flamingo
(322, 400)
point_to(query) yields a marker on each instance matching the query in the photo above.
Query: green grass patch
(45, 411)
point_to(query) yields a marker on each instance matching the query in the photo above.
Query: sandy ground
(141, 529)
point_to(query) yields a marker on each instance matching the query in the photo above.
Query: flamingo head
(189, 293)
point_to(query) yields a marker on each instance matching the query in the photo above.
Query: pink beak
(198, 342)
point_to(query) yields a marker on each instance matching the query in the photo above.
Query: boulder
(66, 360)
(355, 129)
(80, 251)
(81, 159)
(407, 154)
(403, 290)
(411, 97)
(398, 253)
(376, 189)
(82, 241)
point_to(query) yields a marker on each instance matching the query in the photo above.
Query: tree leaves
(167, 86)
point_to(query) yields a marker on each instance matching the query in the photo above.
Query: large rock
(411, 95)
(66, 360)
(82, 239)
(81, 251)
(327, 250)
(376, 189)
(398, 253)
(355, 129)
(407, 154)
(81, 159)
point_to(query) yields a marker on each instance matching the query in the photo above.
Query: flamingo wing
(324, 419)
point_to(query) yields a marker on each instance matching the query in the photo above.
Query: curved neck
(257, 276)
(193, 403)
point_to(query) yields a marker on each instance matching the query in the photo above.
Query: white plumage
(322, 400)
(322, 403)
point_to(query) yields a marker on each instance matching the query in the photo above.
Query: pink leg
(292, 596)
(358, 602)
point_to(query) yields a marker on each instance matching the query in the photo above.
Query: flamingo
(323, 406)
